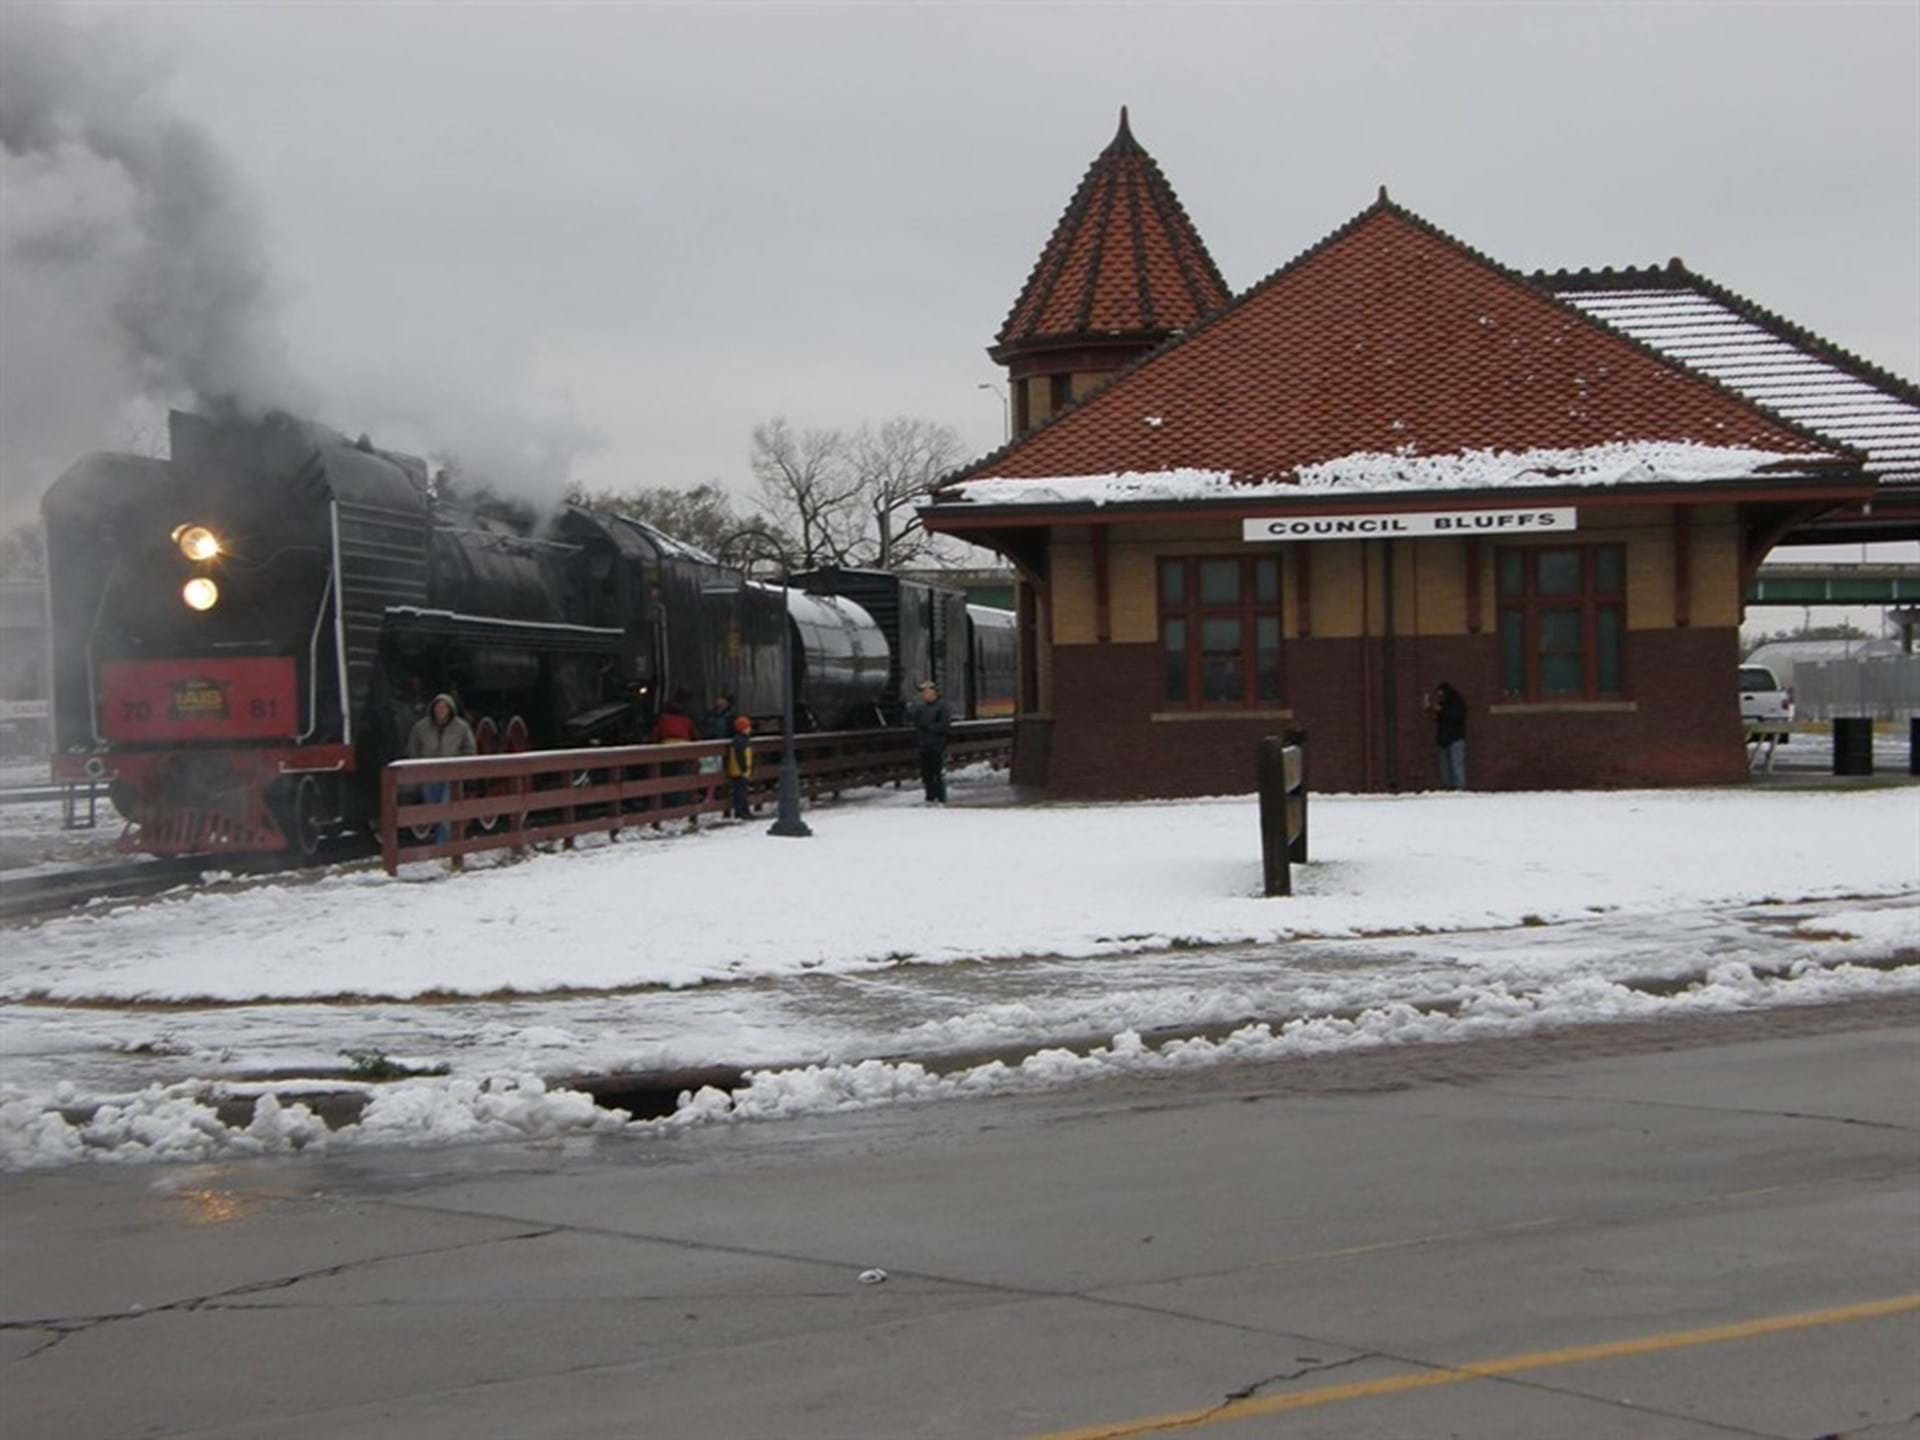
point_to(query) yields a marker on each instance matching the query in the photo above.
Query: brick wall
(1681, 728)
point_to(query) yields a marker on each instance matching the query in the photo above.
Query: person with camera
(1449, 711)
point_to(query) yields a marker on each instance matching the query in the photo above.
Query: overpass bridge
(1857, 583)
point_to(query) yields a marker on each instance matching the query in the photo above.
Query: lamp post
(787, 823)
(1006, 407)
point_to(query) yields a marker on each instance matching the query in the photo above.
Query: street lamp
(1006, 405)
(788, 823)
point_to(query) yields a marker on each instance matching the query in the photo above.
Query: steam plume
(135, 275)
(133, 264)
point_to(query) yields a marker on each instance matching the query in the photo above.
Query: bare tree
(808, 491)
(23, 553)
(896, 466)
(702, 515)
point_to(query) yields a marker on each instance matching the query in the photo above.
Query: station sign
(1411, 523)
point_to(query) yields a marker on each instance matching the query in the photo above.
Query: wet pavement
(1688, 1229)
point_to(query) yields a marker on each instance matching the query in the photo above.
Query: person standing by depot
(1449, 711)
(931, 719)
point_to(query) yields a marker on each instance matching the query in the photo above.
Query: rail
(512, 802)
(1283, 808)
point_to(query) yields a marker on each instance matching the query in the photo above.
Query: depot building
(1392, 462)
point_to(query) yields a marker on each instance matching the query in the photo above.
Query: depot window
(1220, 630)
(1563, 621)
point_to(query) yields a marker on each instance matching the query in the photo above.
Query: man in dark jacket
(931, 720)
(1449, 710)
(716, 724)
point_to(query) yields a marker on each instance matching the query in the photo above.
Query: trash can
(1853, 746)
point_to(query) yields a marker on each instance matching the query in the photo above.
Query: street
(1691, 1227)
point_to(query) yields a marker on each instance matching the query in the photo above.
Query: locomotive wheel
(486, 741)
(518, 739)
(310, 817)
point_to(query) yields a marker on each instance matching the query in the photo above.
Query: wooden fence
(510, 802)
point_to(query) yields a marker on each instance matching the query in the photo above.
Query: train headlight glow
(197, 543)
(200, 593)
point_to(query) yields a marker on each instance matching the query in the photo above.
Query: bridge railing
(511, 802)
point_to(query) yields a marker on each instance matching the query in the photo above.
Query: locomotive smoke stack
(131, 259)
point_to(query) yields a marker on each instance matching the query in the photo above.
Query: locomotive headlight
(197, 543)
(200, 593)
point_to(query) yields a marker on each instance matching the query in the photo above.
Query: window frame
(1192, 613)
(1589, 601)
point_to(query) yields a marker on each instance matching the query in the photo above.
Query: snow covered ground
(33, 841)
(900, 933)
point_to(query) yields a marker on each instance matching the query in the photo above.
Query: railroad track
(77, 885)
(38, 794)
(63, 889)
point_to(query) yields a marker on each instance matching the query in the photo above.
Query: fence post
(457, 829)
(1273, 815)
(389, 828)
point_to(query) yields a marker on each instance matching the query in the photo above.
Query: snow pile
(1075, 881)
(1369, 472)
(1731, 986)
(180, 1122)
(159, 1123)
(1872, 932)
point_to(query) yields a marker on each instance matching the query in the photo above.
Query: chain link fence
(1878, 689)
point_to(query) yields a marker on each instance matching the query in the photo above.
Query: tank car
(244, 634)
(925, 628)
(991, 657)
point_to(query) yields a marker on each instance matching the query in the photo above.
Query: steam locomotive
(244, 634)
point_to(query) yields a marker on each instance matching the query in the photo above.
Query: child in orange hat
(740, 766)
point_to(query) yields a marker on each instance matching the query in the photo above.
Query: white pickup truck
(1766, 706)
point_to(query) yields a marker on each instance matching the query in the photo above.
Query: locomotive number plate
(165, 700)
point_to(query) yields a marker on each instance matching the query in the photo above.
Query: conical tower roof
(1124, 261)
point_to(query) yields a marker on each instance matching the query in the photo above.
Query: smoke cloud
(135, 275)
(133, 265)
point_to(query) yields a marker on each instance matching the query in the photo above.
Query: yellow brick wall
(1045, 652)
(1430, 590)
(1070, 570)
(1717, 597)
(1039, 399)
(1433, 577)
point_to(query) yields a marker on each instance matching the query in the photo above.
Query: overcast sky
(669, 222)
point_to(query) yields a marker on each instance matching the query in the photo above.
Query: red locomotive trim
(156, 701)
(264, 764)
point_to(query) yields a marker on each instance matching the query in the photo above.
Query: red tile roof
(1388, 333)
(1124, 260)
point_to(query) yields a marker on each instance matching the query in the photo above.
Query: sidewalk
(1651, 1230)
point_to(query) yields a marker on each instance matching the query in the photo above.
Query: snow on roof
(1372, 472)
(1703, 333)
